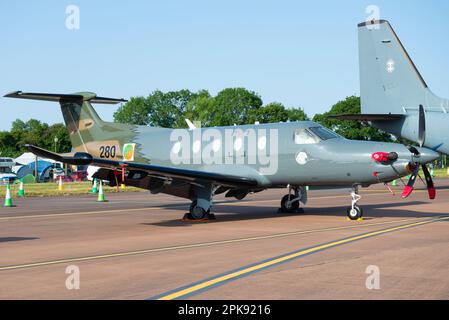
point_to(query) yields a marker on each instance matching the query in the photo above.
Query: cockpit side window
(304, 136)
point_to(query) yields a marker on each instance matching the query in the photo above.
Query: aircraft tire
(289, 208)
(355, 214)
(197, 213)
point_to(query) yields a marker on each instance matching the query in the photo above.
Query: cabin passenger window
(304, 136)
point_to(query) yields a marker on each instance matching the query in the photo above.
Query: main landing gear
(199, 212)
(355, 212)
(290, 203)
(200, 207)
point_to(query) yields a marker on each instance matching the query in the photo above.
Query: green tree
(199, 107)
(350, 129)
(60, 132)
(233, 106)
(36, 133)
(230, 106)
(158, 109)
(135, 111)
(168, 108)
(297, 114)
(8, 145)
(276, 112)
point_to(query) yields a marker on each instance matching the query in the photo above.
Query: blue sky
(302, 54)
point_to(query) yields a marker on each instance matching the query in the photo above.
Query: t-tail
(88, 132)
(394, 95)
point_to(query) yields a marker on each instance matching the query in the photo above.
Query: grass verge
(68, 188)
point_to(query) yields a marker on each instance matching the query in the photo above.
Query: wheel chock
(358, 220)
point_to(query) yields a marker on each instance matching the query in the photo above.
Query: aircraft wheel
(196, 212)
(355, 213)
(287, 206)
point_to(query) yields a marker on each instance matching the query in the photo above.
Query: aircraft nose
(425, 155)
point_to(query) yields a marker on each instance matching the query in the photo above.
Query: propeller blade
(409, 187)
(429, 182)
(422, 126)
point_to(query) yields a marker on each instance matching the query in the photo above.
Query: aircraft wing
(188, 175)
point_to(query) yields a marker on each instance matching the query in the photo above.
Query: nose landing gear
(355, 213)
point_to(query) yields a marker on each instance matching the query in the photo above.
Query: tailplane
(88, 133)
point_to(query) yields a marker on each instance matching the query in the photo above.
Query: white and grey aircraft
(199, 163)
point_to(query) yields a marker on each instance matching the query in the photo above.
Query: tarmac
(136, 246)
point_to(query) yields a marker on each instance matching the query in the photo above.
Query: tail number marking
(108, 152)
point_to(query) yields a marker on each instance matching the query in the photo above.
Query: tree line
(230, 106)
(33, 132)
(170, 109)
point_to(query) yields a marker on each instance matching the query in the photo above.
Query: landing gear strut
(355, 212)
(290, 203)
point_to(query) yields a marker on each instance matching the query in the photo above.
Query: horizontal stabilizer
(87, 96)
(368, 117)
(78, 158)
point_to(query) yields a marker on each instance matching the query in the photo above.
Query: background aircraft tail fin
(85, 127)
(390, 83)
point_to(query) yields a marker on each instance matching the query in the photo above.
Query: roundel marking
(390, 66)
(302, 158)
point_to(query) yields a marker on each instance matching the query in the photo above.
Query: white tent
(25, 159)
(28, 158)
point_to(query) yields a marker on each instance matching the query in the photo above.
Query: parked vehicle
(6, 173)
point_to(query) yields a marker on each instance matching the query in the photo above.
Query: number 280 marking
(107, 152)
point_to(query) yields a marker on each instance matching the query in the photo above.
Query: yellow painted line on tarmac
(205, 244)
(195, 288)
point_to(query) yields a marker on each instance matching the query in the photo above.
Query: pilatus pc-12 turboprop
(199, 163)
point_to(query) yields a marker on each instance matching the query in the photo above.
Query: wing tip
(12, 94)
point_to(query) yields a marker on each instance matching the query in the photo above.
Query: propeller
(415, 172)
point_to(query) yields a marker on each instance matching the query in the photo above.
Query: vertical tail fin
(390, 83)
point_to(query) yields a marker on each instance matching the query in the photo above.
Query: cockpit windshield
(323, 133)
(314, 135)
